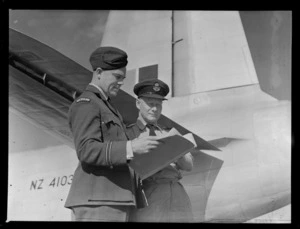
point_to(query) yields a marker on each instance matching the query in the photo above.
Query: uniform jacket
(102, 176)
(170, 172)
(166, 198)
(136, 129)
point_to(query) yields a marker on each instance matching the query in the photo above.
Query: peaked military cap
(153, 88)
(108, 58)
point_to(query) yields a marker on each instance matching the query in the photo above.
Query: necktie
(151, 130)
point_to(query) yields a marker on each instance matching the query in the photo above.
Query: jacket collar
(142, 124)
(97, 90)
(93, 88)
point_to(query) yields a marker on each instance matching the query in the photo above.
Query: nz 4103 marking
(53, 182)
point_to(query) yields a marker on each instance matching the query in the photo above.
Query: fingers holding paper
(145, 144)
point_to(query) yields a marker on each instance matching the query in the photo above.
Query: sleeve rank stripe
(109, 152)
(106, 151)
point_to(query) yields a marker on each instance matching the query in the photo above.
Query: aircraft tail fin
(211, 48)
(192, 51)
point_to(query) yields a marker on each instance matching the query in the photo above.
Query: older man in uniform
(104, 186)
(167, 198)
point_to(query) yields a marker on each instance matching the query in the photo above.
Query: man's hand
(144, 144)
(186, 162)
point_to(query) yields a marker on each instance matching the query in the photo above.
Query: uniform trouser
(168, 202)
(111, 213)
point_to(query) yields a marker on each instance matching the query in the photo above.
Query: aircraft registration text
(51, 183)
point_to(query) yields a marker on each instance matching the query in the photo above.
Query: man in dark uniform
(167, 198)
(103, 186)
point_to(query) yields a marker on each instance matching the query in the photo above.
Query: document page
(172, 146)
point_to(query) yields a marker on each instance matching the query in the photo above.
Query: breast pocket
(111, 127)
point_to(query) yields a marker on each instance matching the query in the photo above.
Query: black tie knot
(151, 129)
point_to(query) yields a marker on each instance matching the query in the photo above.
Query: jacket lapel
(100, 96)
(113, 109)
(117, 113)
(108, 104)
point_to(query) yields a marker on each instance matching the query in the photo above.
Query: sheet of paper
(173, 132)
(170, 149)
(191, 138)
(188, 136)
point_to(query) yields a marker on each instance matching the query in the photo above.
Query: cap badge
(156, 87)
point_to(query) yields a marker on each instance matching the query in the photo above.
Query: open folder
(171, 147)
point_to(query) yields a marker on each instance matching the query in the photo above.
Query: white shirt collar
(145, 123)
(100, 90)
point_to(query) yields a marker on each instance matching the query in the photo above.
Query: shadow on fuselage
(199, 182)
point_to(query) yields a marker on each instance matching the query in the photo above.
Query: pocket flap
(107, 118)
